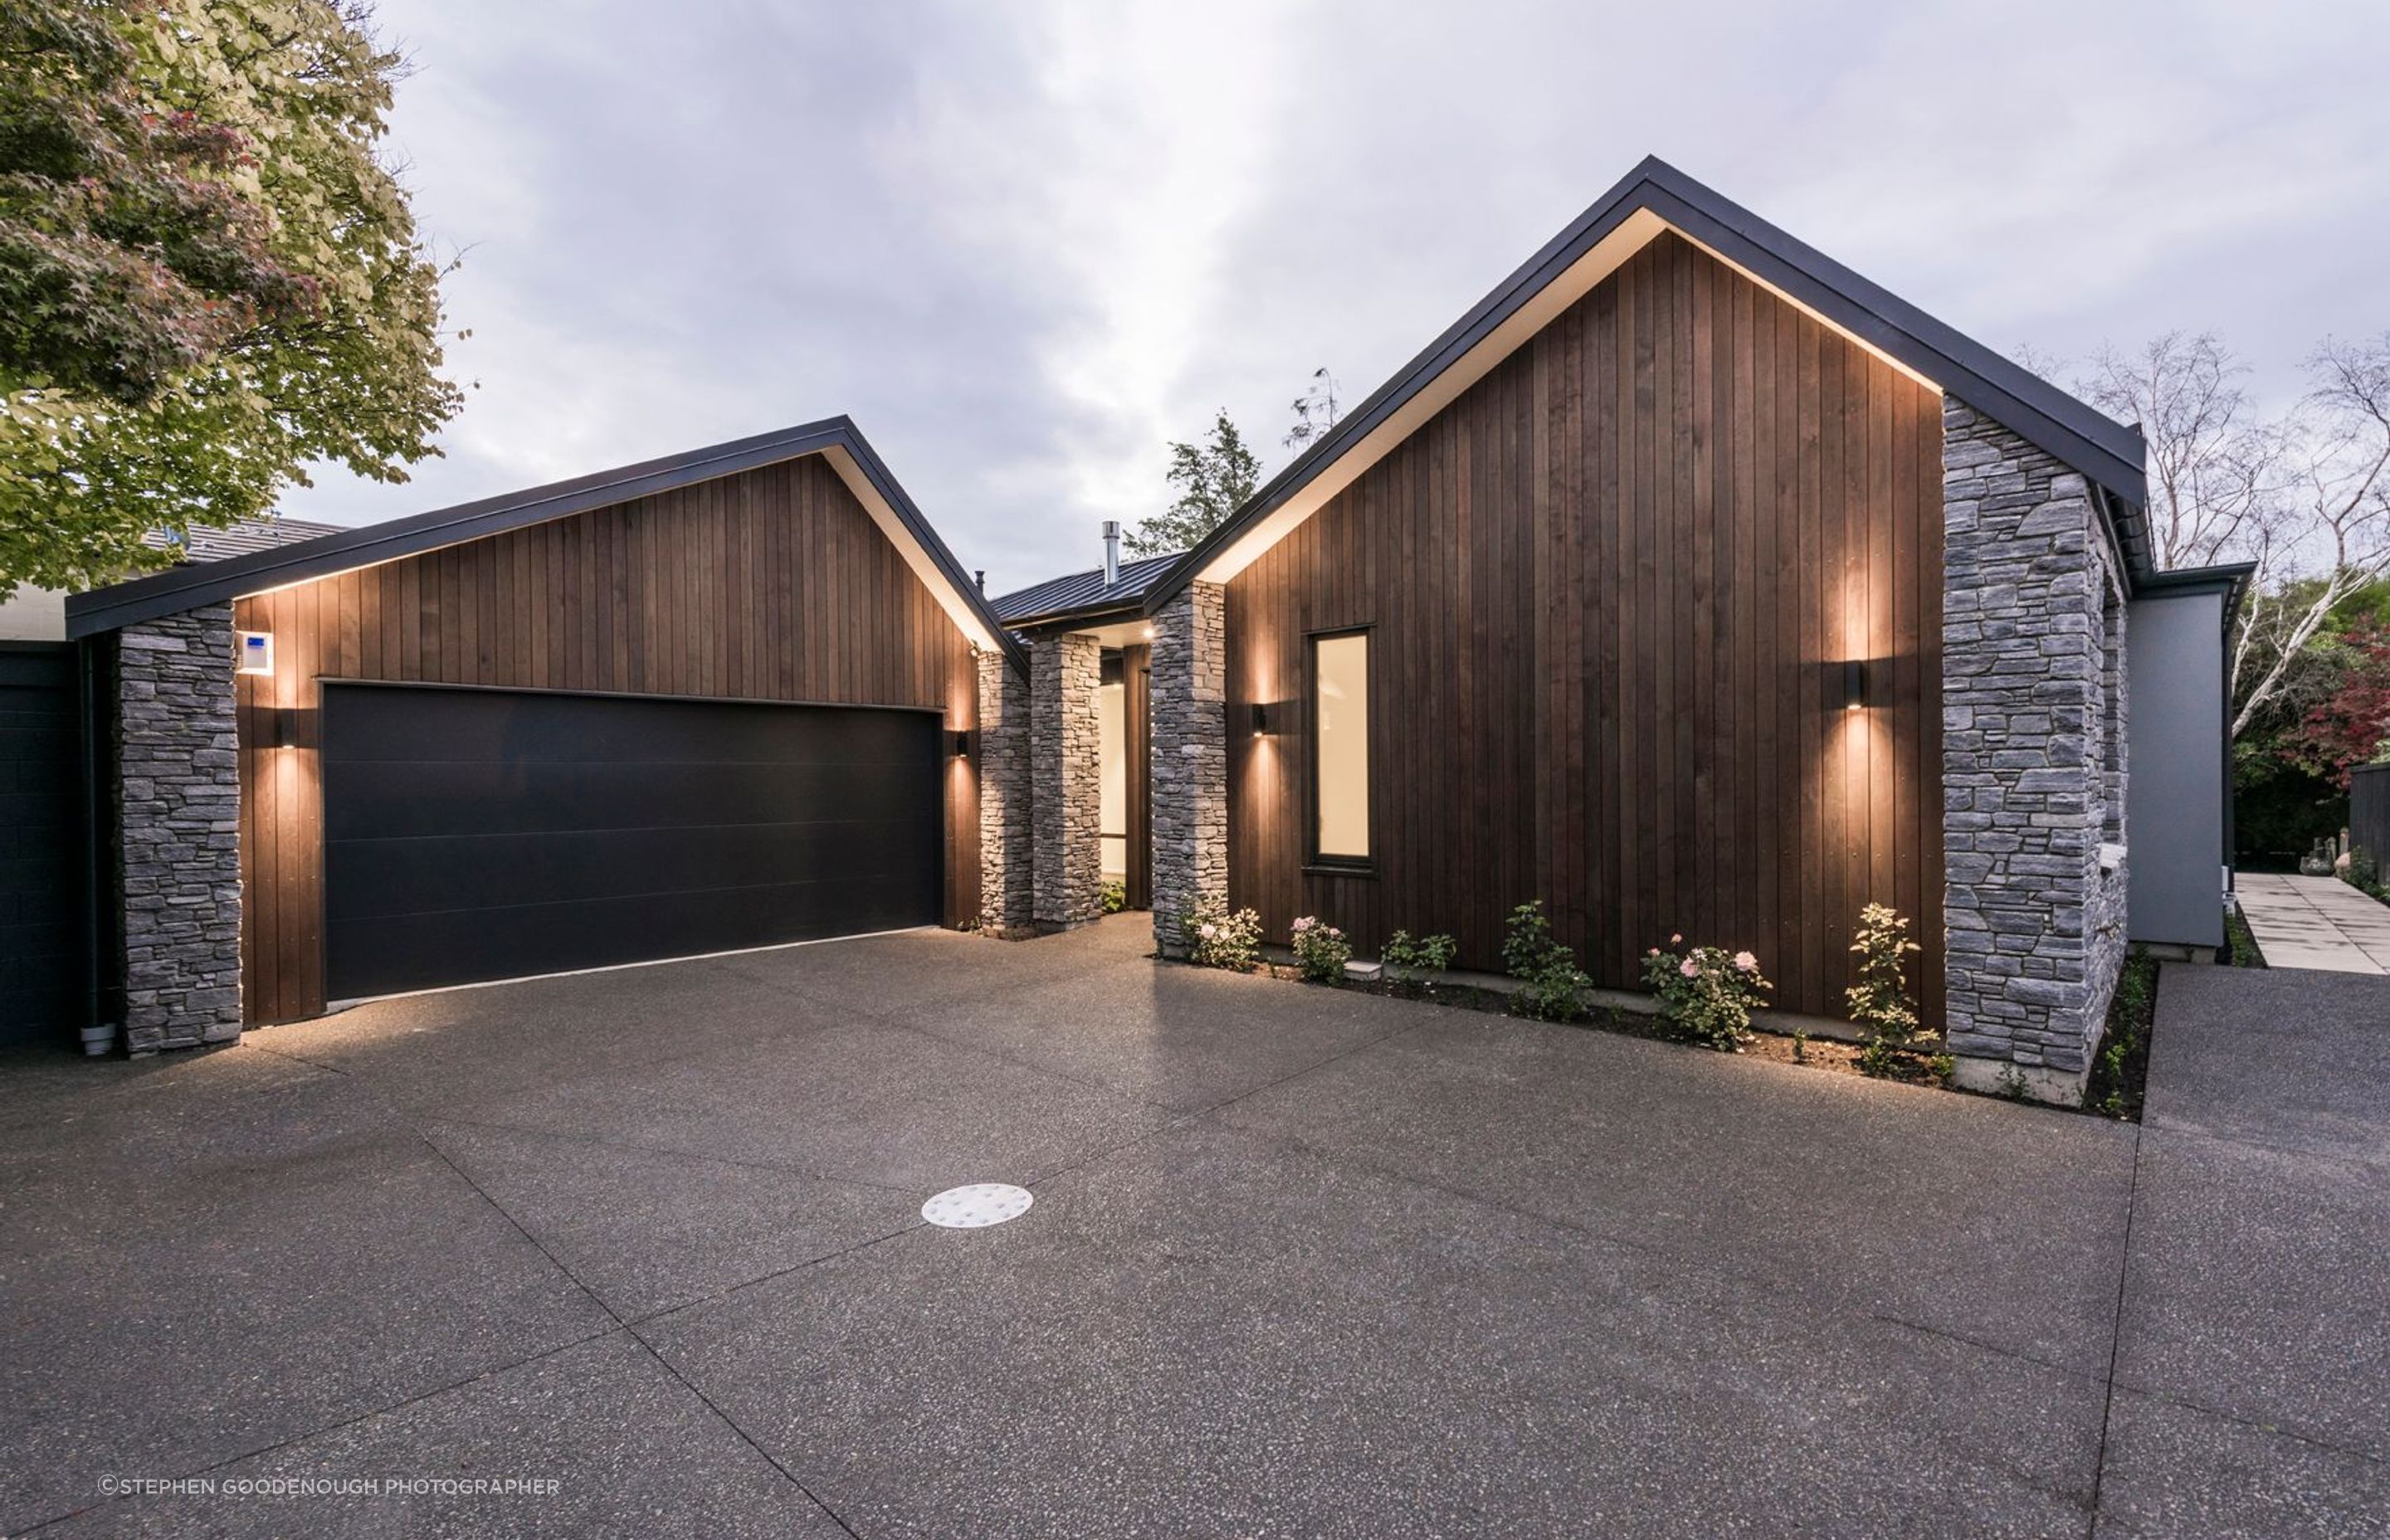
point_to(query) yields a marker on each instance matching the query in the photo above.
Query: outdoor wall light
(253, 652)
(1261, 720)
(286, 726)
(1855, 682)
(962, 742)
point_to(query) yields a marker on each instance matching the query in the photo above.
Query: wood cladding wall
(1610, 588)
(772, 585)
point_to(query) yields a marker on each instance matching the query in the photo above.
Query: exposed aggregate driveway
(643, 1251)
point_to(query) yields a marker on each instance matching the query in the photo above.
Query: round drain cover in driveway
(977, 1206)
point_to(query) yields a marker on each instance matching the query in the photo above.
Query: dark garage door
(488, 834)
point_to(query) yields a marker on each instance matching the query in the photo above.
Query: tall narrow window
(1340, 747)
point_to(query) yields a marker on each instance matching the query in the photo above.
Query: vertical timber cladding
(771, 584)
(1612, 584)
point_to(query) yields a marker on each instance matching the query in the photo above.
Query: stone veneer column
(178, 804)
(2033, 767)
(1007, 873)
(1065, 779)
(1189, 760)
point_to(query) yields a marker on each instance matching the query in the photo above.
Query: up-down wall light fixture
(1261, 720)
(1855, 684)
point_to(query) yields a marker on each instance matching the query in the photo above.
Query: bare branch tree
(2330, 524)
(1315, 410)
(2210, 469)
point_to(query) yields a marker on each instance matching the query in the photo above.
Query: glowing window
(1340, 747)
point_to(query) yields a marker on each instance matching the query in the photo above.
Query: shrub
(1879, 1001)
(1320, 950)
(1556, 985)
(1115, 895)
(1706, 992)
(1217, 939)
(2364, 873)
(1414, 959)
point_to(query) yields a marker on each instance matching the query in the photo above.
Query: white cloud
(1026, 245)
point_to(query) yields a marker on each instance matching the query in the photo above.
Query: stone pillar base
(1999, 1077)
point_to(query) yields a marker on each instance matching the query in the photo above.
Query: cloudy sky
(1027, 244)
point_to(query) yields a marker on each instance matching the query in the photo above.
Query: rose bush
(1707, 992)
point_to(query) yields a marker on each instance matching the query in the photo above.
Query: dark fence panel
(2369, 812)
(43, 913)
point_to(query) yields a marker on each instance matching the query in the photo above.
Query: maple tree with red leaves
(2353, 724)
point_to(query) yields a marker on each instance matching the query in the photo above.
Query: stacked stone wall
(177, 819)
(1190, 759)
(2033, 769)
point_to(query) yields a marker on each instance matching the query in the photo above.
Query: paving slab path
(644, 1249)
(2317, 922)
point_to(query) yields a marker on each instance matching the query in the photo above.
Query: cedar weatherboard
(1600, 583)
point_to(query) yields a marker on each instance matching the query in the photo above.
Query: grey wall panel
(2177, 791)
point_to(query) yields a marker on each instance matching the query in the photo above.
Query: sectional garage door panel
(482, 834)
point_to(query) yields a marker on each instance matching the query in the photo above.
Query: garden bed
(1496, 995)
(2240, 942)
(2120, 1073)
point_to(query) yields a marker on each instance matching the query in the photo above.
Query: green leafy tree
(1213, 479)
(209, 273)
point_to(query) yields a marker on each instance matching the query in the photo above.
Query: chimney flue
(980, 576)
(1111, 552)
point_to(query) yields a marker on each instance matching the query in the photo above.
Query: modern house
(1689, 583)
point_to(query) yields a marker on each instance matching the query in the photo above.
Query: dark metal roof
(1082, 592)
(2077, 434)
(189, 586)
(241, 537)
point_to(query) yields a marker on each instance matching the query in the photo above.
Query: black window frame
(1312, 858)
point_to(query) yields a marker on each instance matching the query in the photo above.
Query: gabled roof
(1657, 197)
(1081, 593)
(241, 537)
(837, 440)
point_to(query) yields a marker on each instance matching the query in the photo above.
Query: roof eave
(2105, 451)
(191, 585)
(1115, 607)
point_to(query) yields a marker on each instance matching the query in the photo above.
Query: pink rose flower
(1676, 940)
(1745, 961)
(1690, 968)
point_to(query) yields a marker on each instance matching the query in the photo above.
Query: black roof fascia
(2079, 435)
(189, 586)
(1118, 609)
(2230, 579)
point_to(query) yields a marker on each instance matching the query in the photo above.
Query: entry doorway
(1124, 746)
